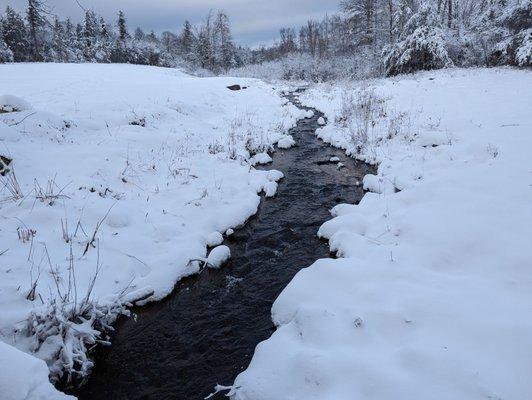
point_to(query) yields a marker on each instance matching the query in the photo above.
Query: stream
(206, 331)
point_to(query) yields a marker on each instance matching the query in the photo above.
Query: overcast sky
(253, 21)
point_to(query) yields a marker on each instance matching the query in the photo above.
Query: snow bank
(9, 103)
(261, 159)
(25, 377)
(125, 170)
(286, 142)
(433, 296)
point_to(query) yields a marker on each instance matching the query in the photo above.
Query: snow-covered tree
(36, 23)
(515, 39)
(224, 49)
(421, 47)
(6, 55)
(187, 43)
(122, 26)
(16, 35)
(139, 34)
(59, 47)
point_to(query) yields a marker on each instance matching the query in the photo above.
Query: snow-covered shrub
(304, 67)
(358, 114)
(424, 49)
(519, 18)
(422, 45)
(6, 55)
(66, 331)
(516, 49)
(143, 53)
(523, 52)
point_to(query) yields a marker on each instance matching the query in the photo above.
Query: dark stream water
(206, 331)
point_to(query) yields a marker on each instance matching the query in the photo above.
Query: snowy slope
(433, 296)
(127, 170)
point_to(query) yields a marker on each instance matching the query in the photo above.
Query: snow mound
(214, 239)
(275, 175)
(218, 256)
(433, 139)
(286, 142)
(9, 103)
(321, 121)
(377, 184)
(25, 377)
(261, 159)
(270, 189)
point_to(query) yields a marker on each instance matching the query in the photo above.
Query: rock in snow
(270, 189)
(261, 159)
(218, 256)
(286, 142)
(214, 239)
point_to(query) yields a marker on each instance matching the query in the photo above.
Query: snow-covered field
(432, 298)
(125, 175)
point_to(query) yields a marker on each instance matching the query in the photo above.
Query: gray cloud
(253, 21)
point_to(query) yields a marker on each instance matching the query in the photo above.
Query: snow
(25, 377)
(432, 295)
(10, 103)
(148, 162)
(321, 121)
(218, 256)
(286, 142)
(270, 189)
(274, 175)
(261, 159)
(214, 239)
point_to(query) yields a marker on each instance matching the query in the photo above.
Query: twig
(22, 120)
(98, 224)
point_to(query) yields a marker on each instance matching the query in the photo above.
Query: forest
(365, 38)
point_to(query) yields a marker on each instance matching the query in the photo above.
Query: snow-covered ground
(432, 298)
(124, 176)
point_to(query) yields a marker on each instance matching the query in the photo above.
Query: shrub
(424, 49)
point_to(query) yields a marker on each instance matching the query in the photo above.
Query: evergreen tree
(139, 34)
(224, 52)
(59, 48)
(6, 55)
(15, 35)
(36, 23)
(90, 36)
(122, 26)
(187, 43)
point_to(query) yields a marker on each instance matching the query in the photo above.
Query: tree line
(36, 36)
(397, 36)
(383, 36)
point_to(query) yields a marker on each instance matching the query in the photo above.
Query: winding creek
(206, 331)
